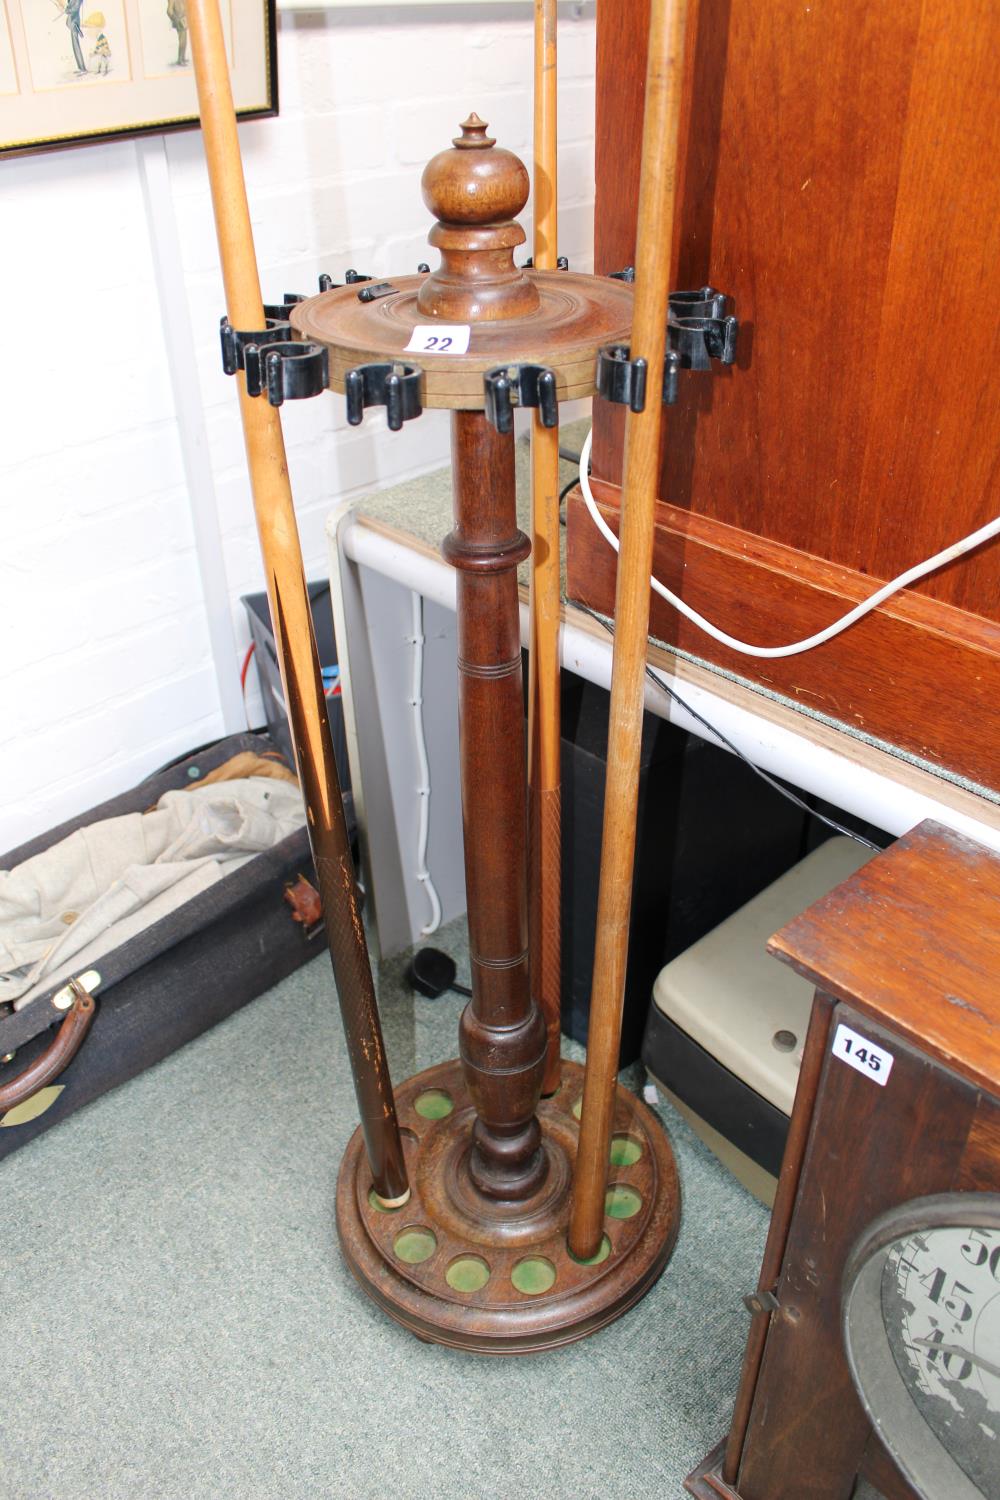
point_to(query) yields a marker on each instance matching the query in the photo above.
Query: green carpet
(177, 1322)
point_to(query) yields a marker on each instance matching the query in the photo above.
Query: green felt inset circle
(601, 1254)
(534, 1275)
(433, 1104)
(621, 1202)
(625, 1150)
(578, 1108)
(414, 1246)
(383, 1208)
(467, 1274)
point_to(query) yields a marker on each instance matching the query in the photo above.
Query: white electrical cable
(416, 639)
(920, 570)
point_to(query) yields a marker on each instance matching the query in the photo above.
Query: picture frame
(73, 72)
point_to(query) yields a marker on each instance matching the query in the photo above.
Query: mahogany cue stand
(478, 1256)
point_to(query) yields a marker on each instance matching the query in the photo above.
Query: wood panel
(860, 1161)
(879, 1470)
(936, 406)
(982, 1150)
(789, 1180)
(838, 182)
(917, 674)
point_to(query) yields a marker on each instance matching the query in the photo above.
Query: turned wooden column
(502, 1033)
(474, 190)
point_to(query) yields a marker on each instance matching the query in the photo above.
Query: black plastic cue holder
(273, 360)
(532, 385)
(699, 330)
(395, 385)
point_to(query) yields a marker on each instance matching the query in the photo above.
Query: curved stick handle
(57, 1056)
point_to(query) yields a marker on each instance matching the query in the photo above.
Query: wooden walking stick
(292, 621)
(543, 654)
(642, 443)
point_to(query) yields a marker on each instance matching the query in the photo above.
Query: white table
(382, 549)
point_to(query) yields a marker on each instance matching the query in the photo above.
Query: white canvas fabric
(104, 883)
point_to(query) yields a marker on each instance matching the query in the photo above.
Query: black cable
(700, 719)
(431, 972)
(572, 458)
(562, 496)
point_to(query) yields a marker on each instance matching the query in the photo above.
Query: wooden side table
(898, 1103)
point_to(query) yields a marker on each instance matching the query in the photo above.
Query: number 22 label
(858, 1052)
(439, 338)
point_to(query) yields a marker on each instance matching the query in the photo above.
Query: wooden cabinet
(906, 956)
(839, 183)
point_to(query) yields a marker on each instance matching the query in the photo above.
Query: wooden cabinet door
(839, 181)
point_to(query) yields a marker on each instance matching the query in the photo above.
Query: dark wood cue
(291, 618)
(642, 443)
(544, 739)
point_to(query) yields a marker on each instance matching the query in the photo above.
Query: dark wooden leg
(502, 1034)
(706, 1481)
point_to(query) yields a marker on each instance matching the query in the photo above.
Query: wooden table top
(916, 933)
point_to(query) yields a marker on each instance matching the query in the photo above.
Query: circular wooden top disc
(578, 315)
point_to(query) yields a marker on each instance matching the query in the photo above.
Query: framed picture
(78, 71)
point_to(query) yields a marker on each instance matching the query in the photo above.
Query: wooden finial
(473, 134)
(474, 189)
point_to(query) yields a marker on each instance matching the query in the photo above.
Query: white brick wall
(107, 664)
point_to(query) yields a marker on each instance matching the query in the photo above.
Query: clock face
(940, 1298)
(922, 1335)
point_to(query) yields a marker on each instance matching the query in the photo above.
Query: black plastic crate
(710, 835)
(275, 710)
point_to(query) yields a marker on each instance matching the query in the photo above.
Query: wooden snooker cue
(291, 618)
(654, 246)
(544, 789)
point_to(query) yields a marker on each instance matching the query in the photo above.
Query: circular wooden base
(498, 1278)
(578, 314)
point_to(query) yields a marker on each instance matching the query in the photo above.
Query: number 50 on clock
(858, 1052)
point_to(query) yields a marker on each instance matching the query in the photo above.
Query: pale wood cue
(291, 618)
(544, 780)
(641, 467)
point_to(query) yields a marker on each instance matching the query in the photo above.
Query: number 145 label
(856, 1050)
